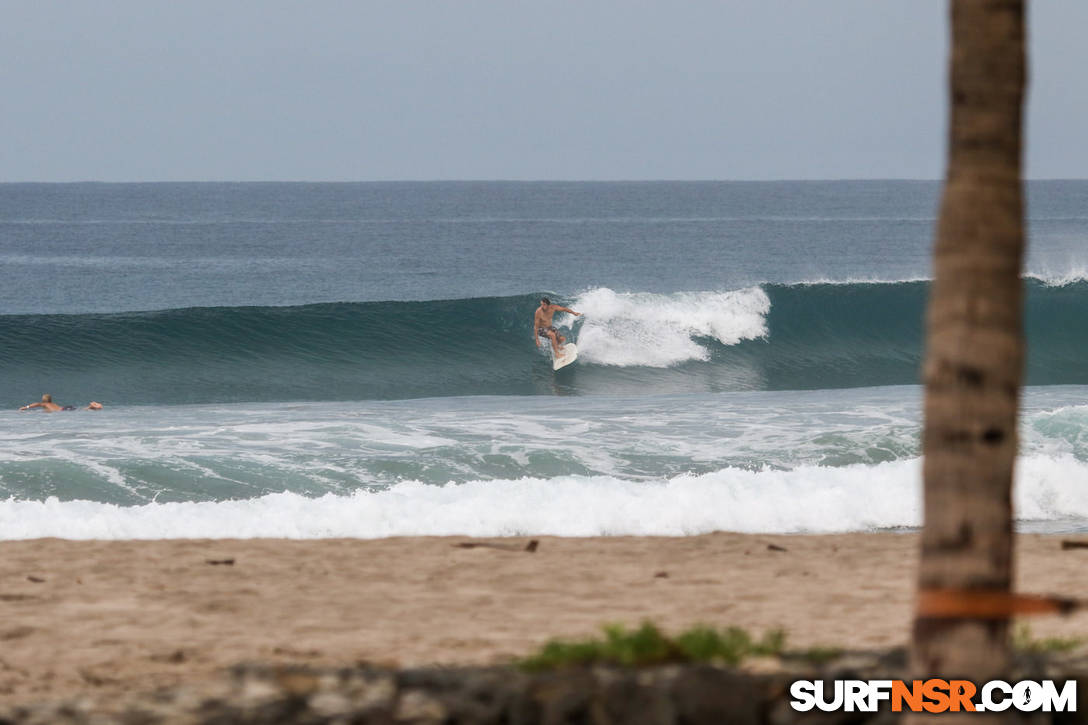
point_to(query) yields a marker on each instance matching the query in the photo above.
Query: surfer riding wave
(543, 327)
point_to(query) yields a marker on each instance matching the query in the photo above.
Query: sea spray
(658, 331)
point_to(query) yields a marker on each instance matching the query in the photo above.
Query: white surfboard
(569, 355)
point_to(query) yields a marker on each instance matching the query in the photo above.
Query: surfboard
(569, 355)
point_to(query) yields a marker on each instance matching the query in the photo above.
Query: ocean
(325, 360)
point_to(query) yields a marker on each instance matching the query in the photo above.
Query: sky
(370, 90)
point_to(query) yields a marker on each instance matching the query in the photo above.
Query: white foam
(1051, 488)
(855, 280)
(659, 330)
(806, 499)
(1070, 276)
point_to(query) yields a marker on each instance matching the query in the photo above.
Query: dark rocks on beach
(666, 695)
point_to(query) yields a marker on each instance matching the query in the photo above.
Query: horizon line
(516, 181)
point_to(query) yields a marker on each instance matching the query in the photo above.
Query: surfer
(49, 406)
(542, 324)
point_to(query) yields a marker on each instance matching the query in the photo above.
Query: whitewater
(674, 465)
(357, 360)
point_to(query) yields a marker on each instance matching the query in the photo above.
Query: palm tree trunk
(974, 343)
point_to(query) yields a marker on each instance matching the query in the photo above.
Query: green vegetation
(1023, 641)
(647, 645)
(815, 655)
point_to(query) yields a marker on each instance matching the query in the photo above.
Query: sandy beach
(97, 615)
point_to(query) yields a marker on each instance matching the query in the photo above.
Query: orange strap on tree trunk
(982, 604)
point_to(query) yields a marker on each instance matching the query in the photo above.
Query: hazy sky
(150, 90)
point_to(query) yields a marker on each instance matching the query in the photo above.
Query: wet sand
(124, 615)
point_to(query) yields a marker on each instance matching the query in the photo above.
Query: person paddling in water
(543, 327)
(49, 406)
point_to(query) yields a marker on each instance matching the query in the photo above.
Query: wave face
(769, 337)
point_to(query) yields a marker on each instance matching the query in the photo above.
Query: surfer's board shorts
(543, 331)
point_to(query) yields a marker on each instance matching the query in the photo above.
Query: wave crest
(652, 330)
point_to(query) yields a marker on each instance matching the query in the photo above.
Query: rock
(689, 694)
(416, 706)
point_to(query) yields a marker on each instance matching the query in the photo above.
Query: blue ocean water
(314, 360)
